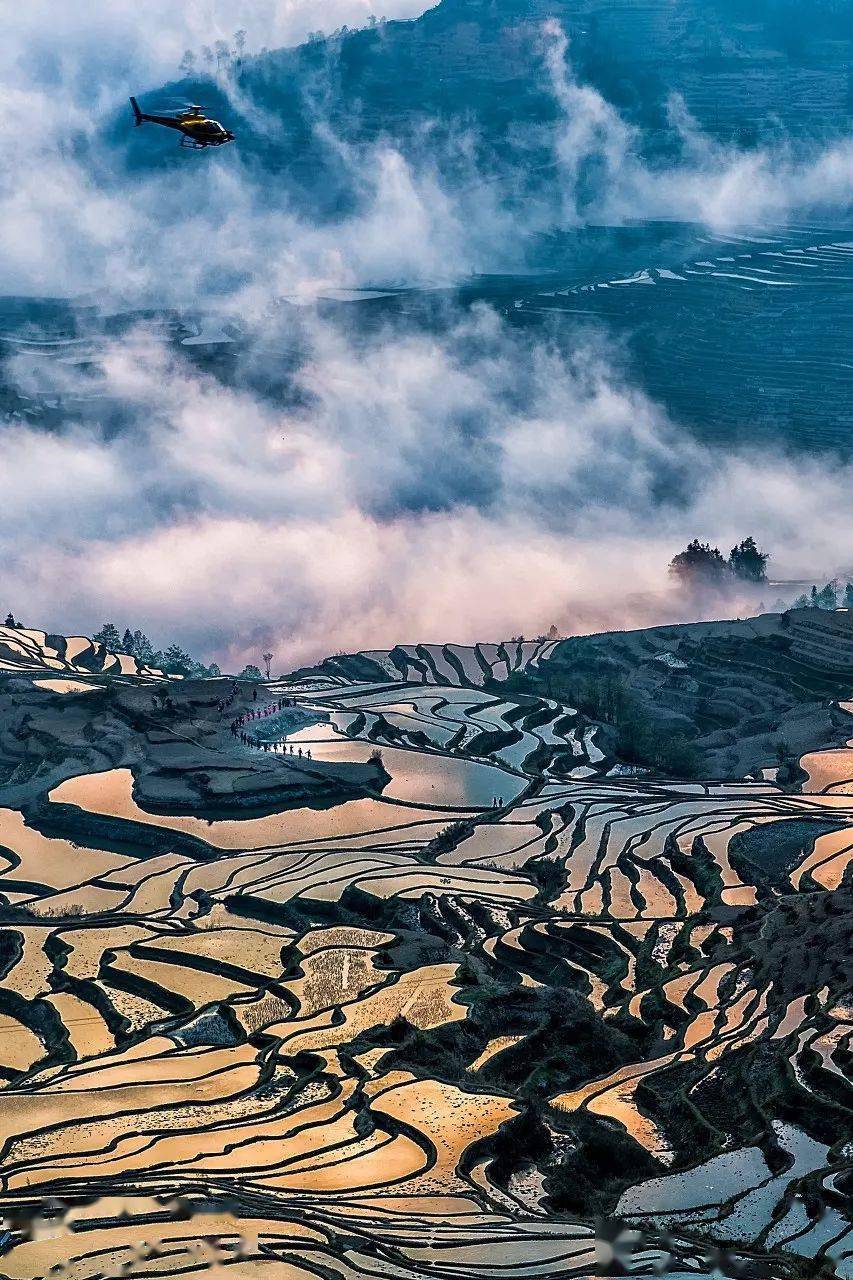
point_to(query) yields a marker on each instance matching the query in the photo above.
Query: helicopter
(196, 129)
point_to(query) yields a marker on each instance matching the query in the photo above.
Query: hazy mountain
(746, 69)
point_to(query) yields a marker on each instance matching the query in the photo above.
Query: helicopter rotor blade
(179, 104)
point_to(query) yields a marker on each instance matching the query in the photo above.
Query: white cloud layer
(460, 486)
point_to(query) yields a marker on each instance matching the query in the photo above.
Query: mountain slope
(718, 698)
(745, 68)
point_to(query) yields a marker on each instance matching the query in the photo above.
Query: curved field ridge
(525, 1009)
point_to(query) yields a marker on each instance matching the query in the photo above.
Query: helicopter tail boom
(138, 116)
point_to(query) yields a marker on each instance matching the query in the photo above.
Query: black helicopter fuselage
(197, 130)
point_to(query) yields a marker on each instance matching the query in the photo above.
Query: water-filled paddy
(361, 937)
(418, 777)
(110, 794)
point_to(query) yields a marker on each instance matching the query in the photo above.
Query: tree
(250, 672)
(10, 619)
(550, 877)
(240, 41)
(268, 657)
(747, 562)
(108, 636)
(207, 55)
(175, 661)
(699, 566)
(187, 64)
(143, 649)
(827, 597)
(848, 596)
(223, 53)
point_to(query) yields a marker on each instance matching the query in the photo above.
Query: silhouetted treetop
(699, 564)
(747, 562)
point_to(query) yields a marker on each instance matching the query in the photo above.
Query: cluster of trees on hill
(829, 596)
(221, 56)
(701, 566)
(224, 56)
(372, 21)
(174, 660)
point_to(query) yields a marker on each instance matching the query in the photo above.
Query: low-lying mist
(458, 485)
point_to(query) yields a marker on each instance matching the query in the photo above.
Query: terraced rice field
(454, 1029)
(732, 329)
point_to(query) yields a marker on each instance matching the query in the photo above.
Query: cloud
(73, 219)
(104, 49)
(216, 235)
(605, 176)
(418, 486)
(419, 209)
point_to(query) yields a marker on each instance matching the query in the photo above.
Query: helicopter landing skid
(196, 144)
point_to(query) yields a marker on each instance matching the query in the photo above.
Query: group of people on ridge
(250, 740)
